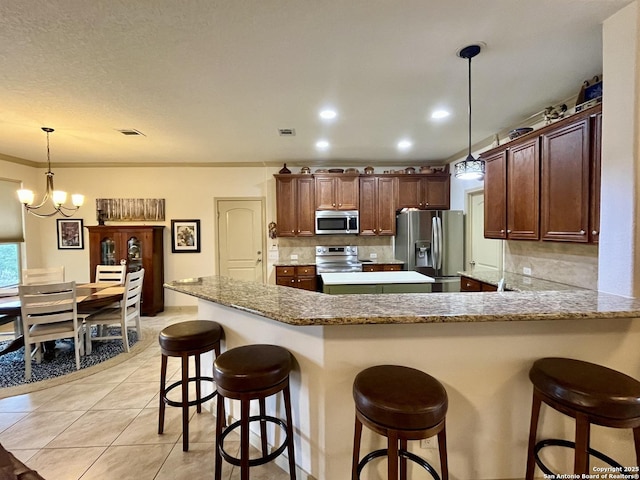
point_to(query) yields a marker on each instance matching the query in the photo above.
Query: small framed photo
(185, 236)
(70, 234)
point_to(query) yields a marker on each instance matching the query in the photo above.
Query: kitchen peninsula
(479, 345)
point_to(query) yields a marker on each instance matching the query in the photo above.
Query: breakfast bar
(479, 345)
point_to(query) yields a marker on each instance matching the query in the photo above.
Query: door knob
(259, 252)
(472, 263)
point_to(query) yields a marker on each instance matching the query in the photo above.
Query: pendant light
(470, 168)
(58, 197)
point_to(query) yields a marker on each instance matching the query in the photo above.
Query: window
(9, 264)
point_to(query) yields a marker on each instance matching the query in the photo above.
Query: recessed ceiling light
(405, 145)
(439, 114)
(322, 145)
(328, 114)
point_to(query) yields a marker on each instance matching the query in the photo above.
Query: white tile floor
(104, 427)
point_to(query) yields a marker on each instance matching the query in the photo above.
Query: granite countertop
(516, 282)
(301, 307)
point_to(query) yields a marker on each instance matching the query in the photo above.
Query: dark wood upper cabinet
(596, 152)
(295, 205)
(427, 192)
(523, 190)
(546, 185)
(495, 190)
(377, 205)
(565, 183)
(336, 192)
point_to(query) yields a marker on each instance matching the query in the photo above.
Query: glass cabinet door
(107, 251)
(134, 254)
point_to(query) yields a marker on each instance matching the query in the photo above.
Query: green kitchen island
(375, 282)
(479, 345)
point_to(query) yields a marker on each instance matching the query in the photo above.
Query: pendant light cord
(469, 106)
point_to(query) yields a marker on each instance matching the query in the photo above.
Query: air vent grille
(131, 132)
(287, 132)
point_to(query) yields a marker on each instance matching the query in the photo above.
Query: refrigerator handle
(434, 243)
(439, 221)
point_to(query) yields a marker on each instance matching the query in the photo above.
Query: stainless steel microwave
(337, 222)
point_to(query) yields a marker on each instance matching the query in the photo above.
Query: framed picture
(185, 236)
(70, 234)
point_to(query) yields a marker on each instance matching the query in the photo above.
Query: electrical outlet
(373, 255)
(526, 271)
(428, 443)
(294, 257)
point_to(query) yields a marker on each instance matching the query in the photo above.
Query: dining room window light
(9, 264)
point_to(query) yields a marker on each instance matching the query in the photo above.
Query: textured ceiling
(213, 81)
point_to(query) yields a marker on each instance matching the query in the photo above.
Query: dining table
(90, 297)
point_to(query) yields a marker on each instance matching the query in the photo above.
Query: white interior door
(240, 239)
(483, 253)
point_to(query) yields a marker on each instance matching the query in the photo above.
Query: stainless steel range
(331, 259)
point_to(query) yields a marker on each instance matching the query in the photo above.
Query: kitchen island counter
(299, 307)
(479, 345)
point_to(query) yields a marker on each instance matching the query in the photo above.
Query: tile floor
(104, 426)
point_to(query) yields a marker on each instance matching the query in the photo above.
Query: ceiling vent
(131, 132)
(287, 132)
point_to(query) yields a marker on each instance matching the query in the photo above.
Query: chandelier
(58, 197)
(470, 168)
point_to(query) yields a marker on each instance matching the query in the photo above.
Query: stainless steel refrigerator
(432, 242)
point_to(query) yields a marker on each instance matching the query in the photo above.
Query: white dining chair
(49, 312)
(127, 312)
(111, 273)
(41, 276)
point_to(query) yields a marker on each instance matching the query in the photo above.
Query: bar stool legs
(245, 374)
(183, 340)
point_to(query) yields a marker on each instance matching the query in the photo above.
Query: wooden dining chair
(41, 276)
(127, 312)
(111, 273)
(49, 312)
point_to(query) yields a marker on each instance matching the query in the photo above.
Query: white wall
(188, 192)
(618, 270)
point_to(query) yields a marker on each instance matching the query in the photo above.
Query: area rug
(63, 368)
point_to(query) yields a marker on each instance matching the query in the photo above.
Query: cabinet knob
(427, 204)
(594, 232)
(502, 231)
(298, 280)
(333, 204)
(582, 232)
(293, 280)
(298, 230)
(293, 231)
(508, 231)
(374, 230)
(339, 204)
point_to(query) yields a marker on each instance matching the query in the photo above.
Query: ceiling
(212, 81)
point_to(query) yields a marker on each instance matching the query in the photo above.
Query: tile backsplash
(568, 263)
(304, 247)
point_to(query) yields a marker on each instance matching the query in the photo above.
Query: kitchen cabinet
(377, 205)
(297, 276)
(546, 185)
(565, 182)
(523, 190)
(295, 205)
(472, 285)
(381, 267)
(336, 192)
(594, 206)
(428, 192)
(495, 188)
(137, 246)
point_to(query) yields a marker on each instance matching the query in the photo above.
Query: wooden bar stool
(185, 339)
(589, 393)
(402, 404)
(253, 372)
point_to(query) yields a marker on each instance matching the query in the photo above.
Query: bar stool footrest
(260, 460)
(556, 442)
(191, 403)
(403, 453)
